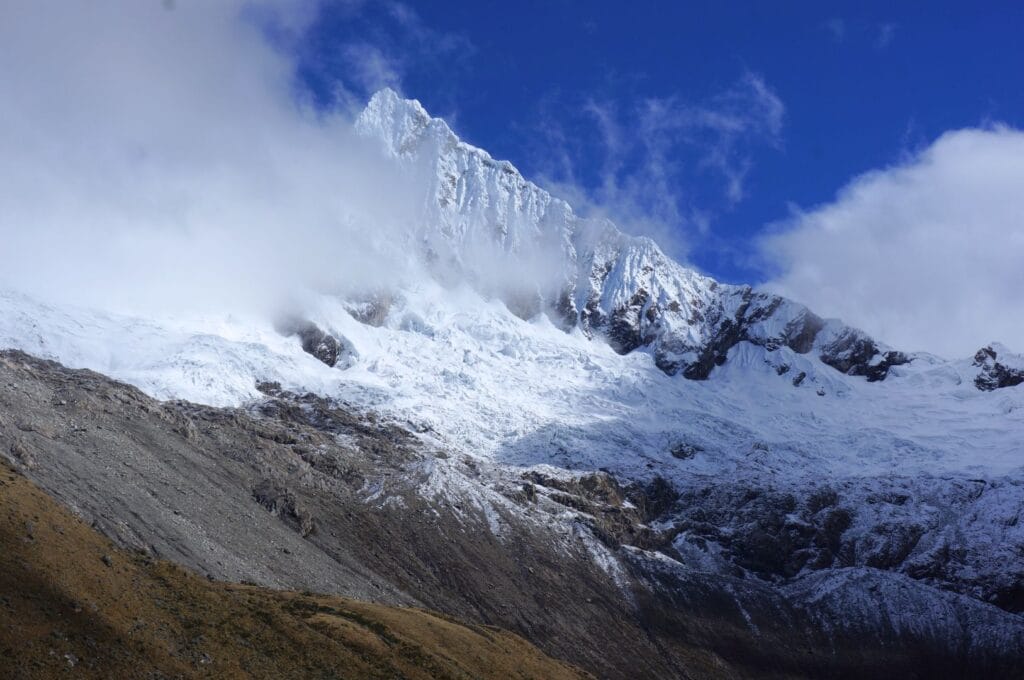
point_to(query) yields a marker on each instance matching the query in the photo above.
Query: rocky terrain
(74, 605)
(300, 492)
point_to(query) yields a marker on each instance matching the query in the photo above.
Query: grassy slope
(70, 599)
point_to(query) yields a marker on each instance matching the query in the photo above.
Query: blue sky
(559, 89)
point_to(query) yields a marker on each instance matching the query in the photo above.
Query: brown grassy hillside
(73, 605)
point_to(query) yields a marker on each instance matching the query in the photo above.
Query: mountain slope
(73, 604)
(301, 492)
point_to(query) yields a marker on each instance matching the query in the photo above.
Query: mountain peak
(486, 224)
(387, 101)
(401, 123)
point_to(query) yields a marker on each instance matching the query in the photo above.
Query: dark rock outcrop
(853, 353)
(993, 374)
(318, 343)
(282, 503)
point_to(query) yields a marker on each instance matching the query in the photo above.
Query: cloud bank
(926, 255)
(157, 154)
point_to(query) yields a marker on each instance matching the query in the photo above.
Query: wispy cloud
(426, 39)
(652, 151)
(860, 33)
(748, 112)
(370, 68)
(836, 27)
(886, 34)
(392, 39)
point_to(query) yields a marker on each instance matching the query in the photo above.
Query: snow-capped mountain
(735, 437)
(586, 273)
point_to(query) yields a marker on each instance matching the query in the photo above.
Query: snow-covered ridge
(586, 273)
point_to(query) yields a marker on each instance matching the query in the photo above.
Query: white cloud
(926, 255)
(154, 154)
(371, 68)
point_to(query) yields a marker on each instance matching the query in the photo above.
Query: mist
(160, 157)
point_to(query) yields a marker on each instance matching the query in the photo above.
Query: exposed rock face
(993, 374)
(72, 604)
(853, 353)
(318, 343)
(768, 533)
(282, 503)
(301, 492)
(622, 288)
(321, 345)
(897, 525)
